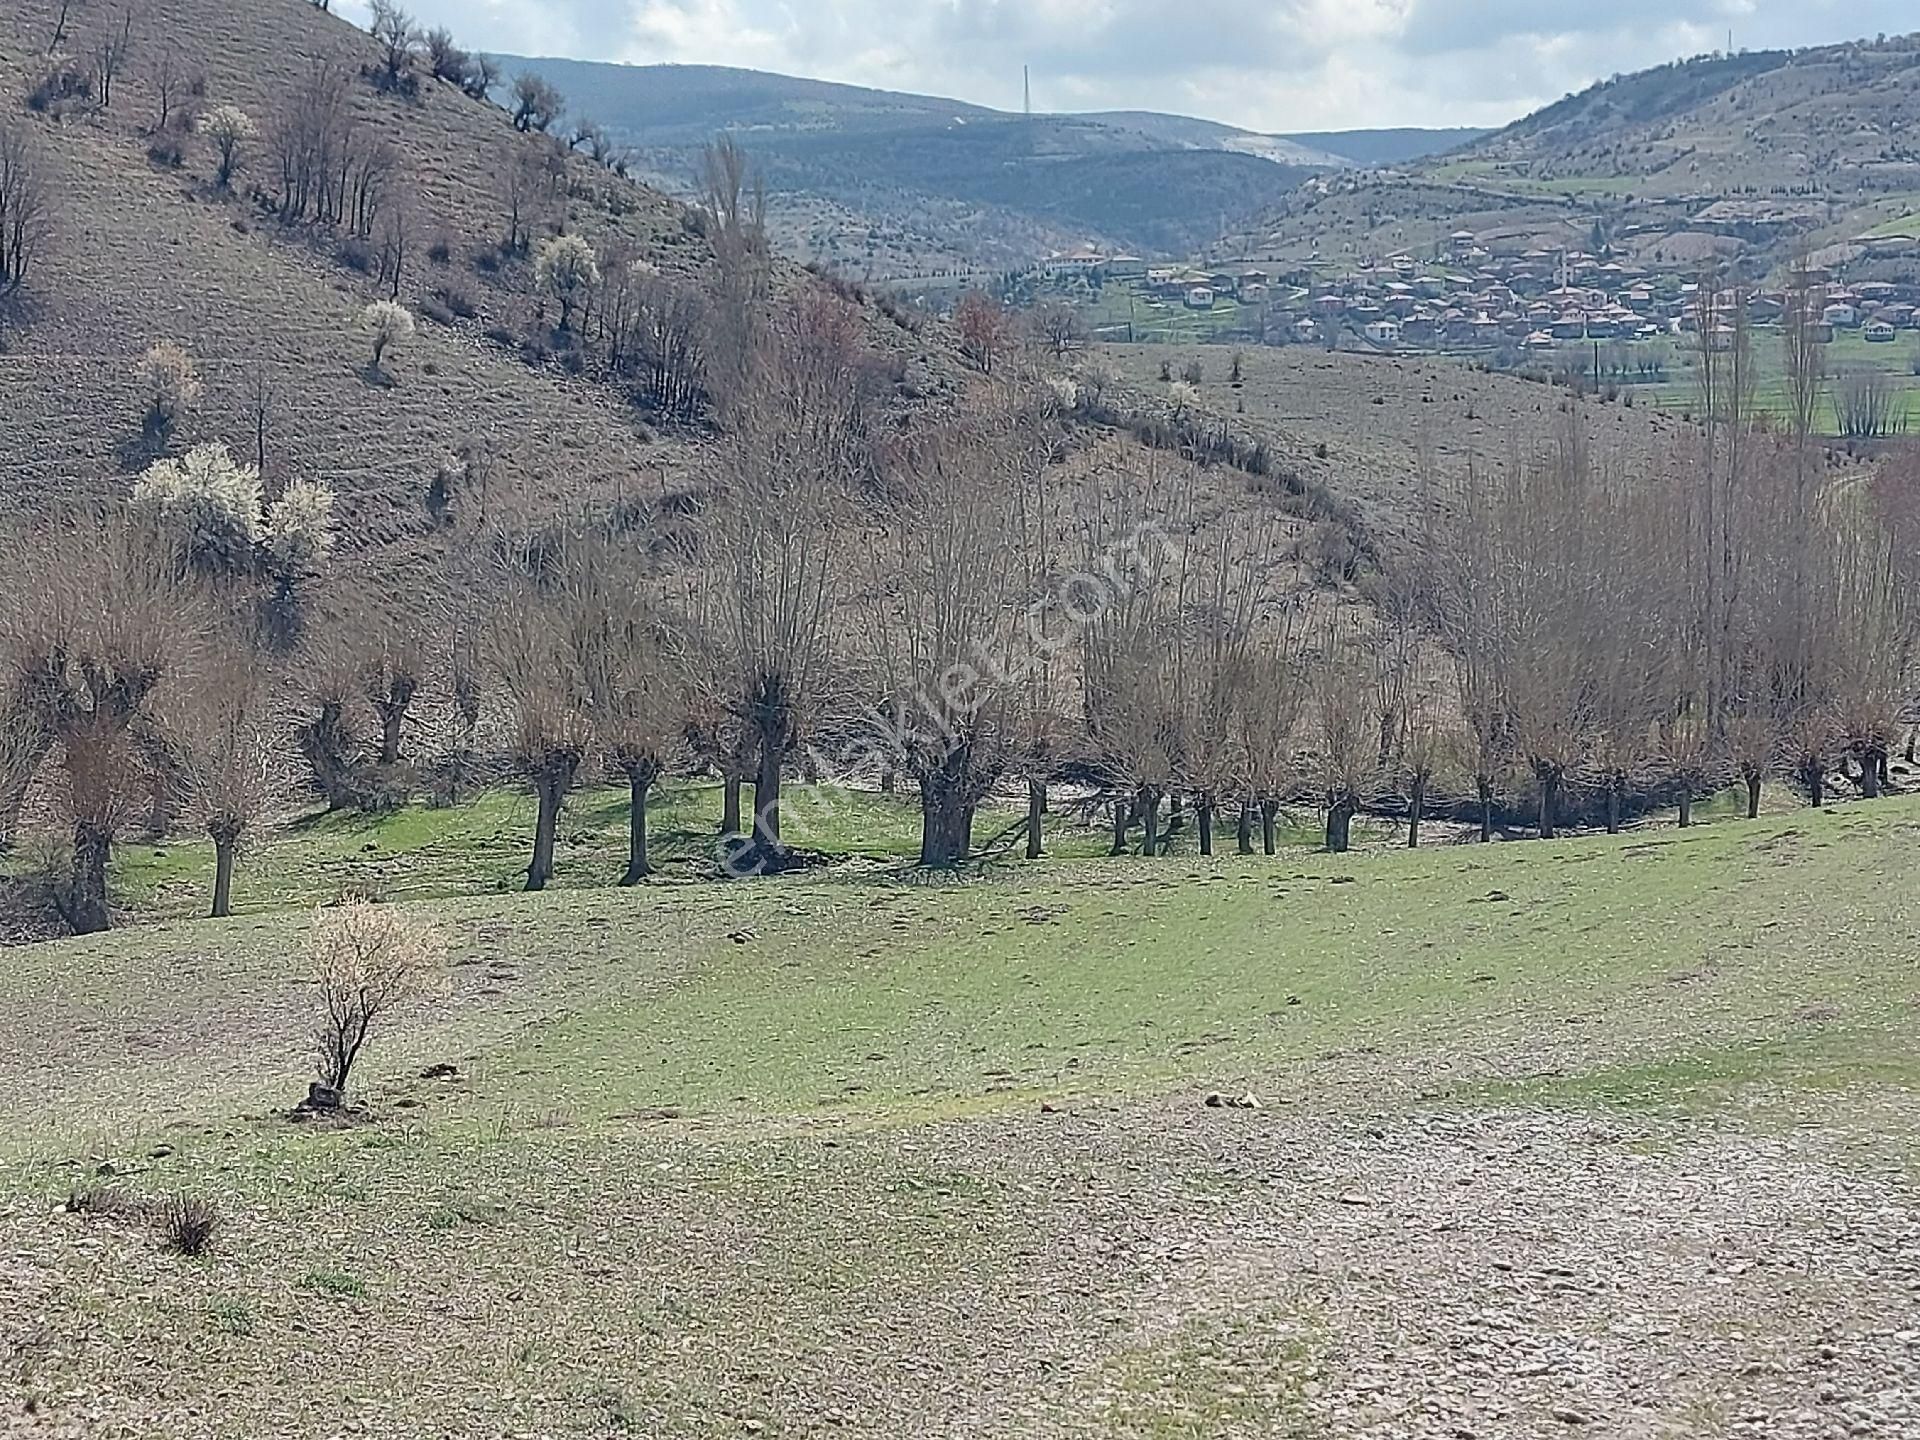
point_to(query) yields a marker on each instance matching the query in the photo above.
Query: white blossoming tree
(209, 503)
(229, 129)
(567, 269)
(388, 324)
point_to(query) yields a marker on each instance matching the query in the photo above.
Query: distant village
(1470, 299)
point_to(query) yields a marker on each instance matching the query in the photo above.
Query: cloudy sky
(1265, 64)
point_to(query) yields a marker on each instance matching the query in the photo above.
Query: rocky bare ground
(1515, 1274)
(1140, 1269)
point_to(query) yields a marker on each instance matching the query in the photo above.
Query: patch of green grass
(1814, 1058)
(335, 1282)
(482, 847)
(453, 1214)
(230, 1317)
(1102, 976)
(1211, 1376)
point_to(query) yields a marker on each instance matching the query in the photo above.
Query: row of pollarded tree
(992, 597)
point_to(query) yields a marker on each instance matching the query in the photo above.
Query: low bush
(189, 1222)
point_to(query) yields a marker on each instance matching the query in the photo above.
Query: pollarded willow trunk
(1148, 807)
(1203, 810)
(1036, 815)
(1813, 775)
(1485, 788)
(1614, 785)
(1873, 759)
(766, 797)
(771, 704)
(86, 908)
(1416, 811)
(1753, 794)
(946, 810)
(392, 710)
(1548, 774)
(946, 829)
(1686, 804)
(551, 782)
(1340, 825)
(1269, 830)
(1243, 837)
(226, 840)
(328, 746)
(1122, 815)
(730, 805)
(641, 778)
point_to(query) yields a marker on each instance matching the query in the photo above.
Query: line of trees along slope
(1006, 596)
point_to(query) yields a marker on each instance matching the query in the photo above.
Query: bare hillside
(145, 250)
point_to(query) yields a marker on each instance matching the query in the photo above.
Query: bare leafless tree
(394, 31)
(26, 205)
(96, 626)
(537, 103)
(539, 646)
(445, 59)
(800, 447)
(1343, 730)
(230, 736)
(733, 207)
(986, 329)
(171, 84)
(312, 143)
(60, 19)
(1135, 664)
(633, 668)
(945, 643)
(392, 664)
(1057, 328)
(1269, 708)
(110, 54)
(531, 190)
(1867, 403)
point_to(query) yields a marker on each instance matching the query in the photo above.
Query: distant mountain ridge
(1747, 159)
(881, 182)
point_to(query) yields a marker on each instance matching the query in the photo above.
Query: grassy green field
(1850, 351)
(857, 1152)
(1163, 322)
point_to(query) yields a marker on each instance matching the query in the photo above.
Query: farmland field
(1850, 351)
(1551, 1138)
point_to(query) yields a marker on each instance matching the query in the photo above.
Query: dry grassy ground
(1605, 1137)
(1367, 427)
(142, 254)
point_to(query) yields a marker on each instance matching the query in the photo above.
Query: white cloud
(1267, 64)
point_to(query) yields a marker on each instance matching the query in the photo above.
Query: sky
(1271, 65)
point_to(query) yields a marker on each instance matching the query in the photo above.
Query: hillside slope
(144, 252)
(1769, 152)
